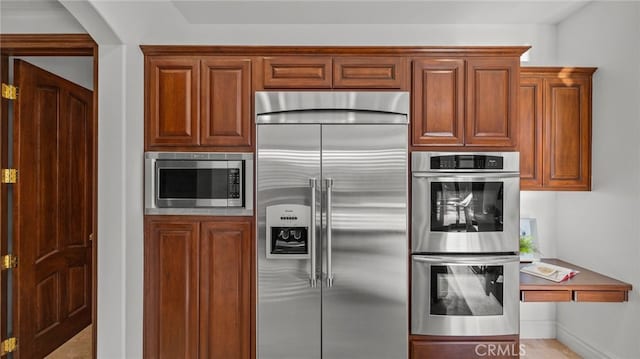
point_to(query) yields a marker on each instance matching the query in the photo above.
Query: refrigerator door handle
(313, 277)
(329, 186)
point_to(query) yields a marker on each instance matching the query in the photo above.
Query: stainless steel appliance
(465, 202)
(198, 183)
(465, 242)
(465, 295)
(332, 225)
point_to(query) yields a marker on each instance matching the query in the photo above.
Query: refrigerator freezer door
(288, 317)
(364, 306)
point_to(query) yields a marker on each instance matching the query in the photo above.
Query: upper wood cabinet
(369, 72)
(555, 151)
(312, 72)
(198, 280)
(172, 101)
(198, 103)
(226, 102)
(438, 102)
(492, 93)
(465, 102)
(338, 72)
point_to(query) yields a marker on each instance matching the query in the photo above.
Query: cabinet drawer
(599, 296)
(464, 349)
(368, 72)
(297, 72)
(545, 296)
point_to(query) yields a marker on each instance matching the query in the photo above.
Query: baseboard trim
(578, 345)
(537, 329)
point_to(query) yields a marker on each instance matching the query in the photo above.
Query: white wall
(599, 229)
(77, 69)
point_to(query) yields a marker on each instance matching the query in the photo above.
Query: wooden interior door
(53, 144)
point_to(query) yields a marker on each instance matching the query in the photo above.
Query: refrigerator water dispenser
(288, 231)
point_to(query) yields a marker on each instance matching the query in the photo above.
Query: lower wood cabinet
(198, 280)
(555, 128)
(428, 347)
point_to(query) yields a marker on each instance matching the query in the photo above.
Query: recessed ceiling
(375, 12)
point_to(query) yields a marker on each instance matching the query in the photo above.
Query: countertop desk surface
(586, 286)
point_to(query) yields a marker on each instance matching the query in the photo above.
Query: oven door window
(467, 206)
(467, 290)
(193, 183)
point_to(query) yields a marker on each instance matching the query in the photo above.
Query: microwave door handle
(329, 184)
(479, 260)
(313, 277)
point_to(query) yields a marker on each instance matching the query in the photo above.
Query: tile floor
(79, 347)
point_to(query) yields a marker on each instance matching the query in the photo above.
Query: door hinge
(8, 345)
(9, 175)
(9, 92)
(9, 261)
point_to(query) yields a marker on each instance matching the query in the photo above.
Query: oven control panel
(466, 162)
(288, 231)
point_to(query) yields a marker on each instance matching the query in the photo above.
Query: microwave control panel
(288, 231)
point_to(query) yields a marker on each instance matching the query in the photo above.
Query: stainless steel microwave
(201, 183)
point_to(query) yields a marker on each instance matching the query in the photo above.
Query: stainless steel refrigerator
(332, 244)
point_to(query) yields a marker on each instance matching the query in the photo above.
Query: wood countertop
(586, 286)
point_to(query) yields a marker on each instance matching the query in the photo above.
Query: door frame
(50, 45)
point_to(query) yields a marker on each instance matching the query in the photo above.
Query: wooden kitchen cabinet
(427, 347)
(492, 93)
(287, 72)
(198, 102)
(334, 72)
(438, 102)
(198, 280)
(465, 102)
(555, 143)
(351, 72)
(172, 97)
(530, 114)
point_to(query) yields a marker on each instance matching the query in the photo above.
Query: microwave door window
(467, 206)
(467, 290)
(193, 183)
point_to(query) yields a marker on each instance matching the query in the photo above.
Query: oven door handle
(480, 175)
(480, 260)
(313, 277)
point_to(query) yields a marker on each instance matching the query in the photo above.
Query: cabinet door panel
(567, 142)
(369, 72)
(438, 105)
(530, 128)
(226, 102)
(171, 293)
(297, 72)
(225, 289)
(172, 112)
(492, 85)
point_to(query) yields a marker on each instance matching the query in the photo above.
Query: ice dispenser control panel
(288, 231)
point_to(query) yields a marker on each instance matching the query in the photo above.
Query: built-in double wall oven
(465, 242)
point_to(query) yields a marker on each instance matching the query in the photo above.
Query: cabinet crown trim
(558, 71)
(150, 50)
